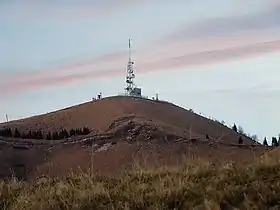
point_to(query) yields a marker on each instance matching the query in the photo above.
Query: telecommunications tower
(131, 89)
(130, 73)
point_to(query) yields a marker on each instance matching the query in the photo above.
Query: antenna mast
(130, 72)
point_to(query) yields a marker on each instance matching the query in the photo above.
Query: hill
(124, 130)
(99, 115)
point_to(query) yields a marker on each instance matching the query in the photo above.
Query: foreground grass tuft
(197, 186)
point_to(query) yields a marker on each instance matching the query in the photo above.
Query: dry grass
(200, 185)
(99, 115)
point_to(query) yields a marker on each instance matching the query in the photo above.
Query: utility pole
(91, 159)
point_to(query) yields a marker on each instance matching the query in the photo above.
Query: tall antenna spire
(129, 48)
(130, 72)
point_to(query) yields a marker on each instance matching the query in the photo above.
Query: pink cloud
(204, 58)
(171, 54)
(34, 84)
(165, 49)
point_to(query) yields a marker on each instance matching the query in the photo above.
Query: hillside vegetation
(200, 185)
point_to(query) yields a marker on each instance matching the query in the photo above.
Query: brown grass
(182, 183)
(122, 156)
(100, 114)
(200, 185)
(165, 132)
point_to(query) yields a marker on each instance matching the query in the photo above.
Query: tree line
(8, 132)
(274, 141)
(239, 129)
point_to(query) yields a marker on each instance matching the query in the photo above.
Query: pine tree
(55, 136)
(29, 135)
(274, 142)
(85, 131)
(265, 142)
(234, 127)
(9, 132)
(2, 132)
(17, 133)
(79, 131)
(40, 135)
(48, 136)
(72, 132)
(64, 134)
(60, 135)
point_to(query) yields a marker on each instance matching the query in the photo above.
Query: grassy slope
(100, 114)
(197, 186)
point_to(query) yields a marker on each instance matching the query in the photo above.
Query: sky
(219, 59)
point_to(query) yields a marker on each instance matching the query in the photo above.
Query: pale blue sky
(220, 58)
